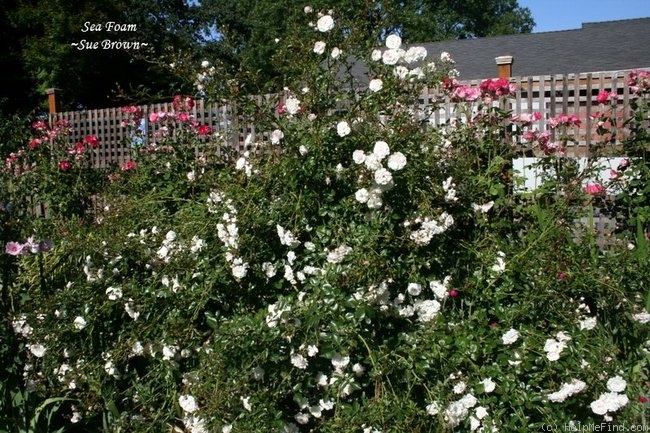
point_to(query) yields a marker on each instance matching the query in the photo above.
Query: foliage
(354, 269)
(246, 42)
(43, 33)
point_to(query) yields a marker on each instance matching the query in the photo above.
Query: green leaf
(37, 413)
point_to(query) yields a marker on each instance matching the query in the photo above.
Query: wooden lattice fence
(549, 95)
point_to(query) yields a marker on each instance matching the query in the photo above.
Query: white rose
(393, 42)
(343, 128)
(325, 23)
(392, 56)
(358, 156)
(188, 403)
(375, 85)
(397, 161)
(319, 47)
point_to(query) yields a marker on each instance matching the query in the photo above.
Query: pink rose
(602, 97)
(203, 130)
(64, 165)
(129, 165)
(594, 188)
(13, 248)
(92, 141)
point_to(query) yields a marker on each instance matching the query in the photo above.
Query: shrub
(355, 269)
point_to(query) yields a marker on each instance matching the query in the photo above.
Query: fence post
(52, 100)
(504, 66)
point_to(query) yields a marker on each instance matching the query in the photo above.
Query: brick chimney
(52, 101)
(504, 66)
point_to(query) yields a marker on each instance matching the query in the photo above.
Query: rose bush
(355, 269)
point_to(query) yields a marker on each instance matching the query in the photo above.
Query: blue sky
(552, 15)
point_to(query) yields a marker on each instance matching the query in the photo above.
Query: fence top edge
(147, 108)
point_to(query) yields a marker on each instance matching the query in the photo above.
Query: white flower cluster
(476, 419)
(375, 85)
(375, 295)
(228, 233)
(308, 410)
(169, 247)
(114, 293)
(642, 317)
(554, 346)
(37, 349)
(325, 23)
(425, 309)
(275, 314)
(195, 424)
(440, 288)
(292, 105)
(319, 47)
(276, 136)
(79, 323)
(343, 129)
(613, 400)
(482, 208)
(488, 385)
(244, 164)
(510, 337)
(21, 326)
(500, 265)
(584, 321)
(449, 187)
(65, 374)
(458, 410)
(382, 178)
(130, 309)
(286, 237)
(429, 228)
(205, 76)
(338, 254)
(188, 403)
(396, 56)
(567, 390)
(92, 275)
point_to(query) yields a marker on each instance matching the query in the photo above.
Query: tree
(246, 30)
(44, 32)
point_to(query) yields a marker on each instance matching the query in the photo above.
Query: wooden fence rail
(549, 95)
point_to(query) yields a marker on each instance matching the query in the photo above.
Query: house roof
(600, 46)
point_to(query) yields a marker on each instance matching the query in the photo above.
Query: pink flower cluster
(543, 141)
(14, 164)
(604, 96)
(526, 119)
(29, 246)
(64, 165)
(129, 165)
(46, 133)
(163, 115)
(133, 115)
(182, 105)
(594, 189)
(639, 81)
(488, 90)
(79, 149)
(497, 88)
(564, 120)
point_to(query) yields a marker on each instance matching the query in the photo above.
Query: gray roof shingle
(602, 46)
